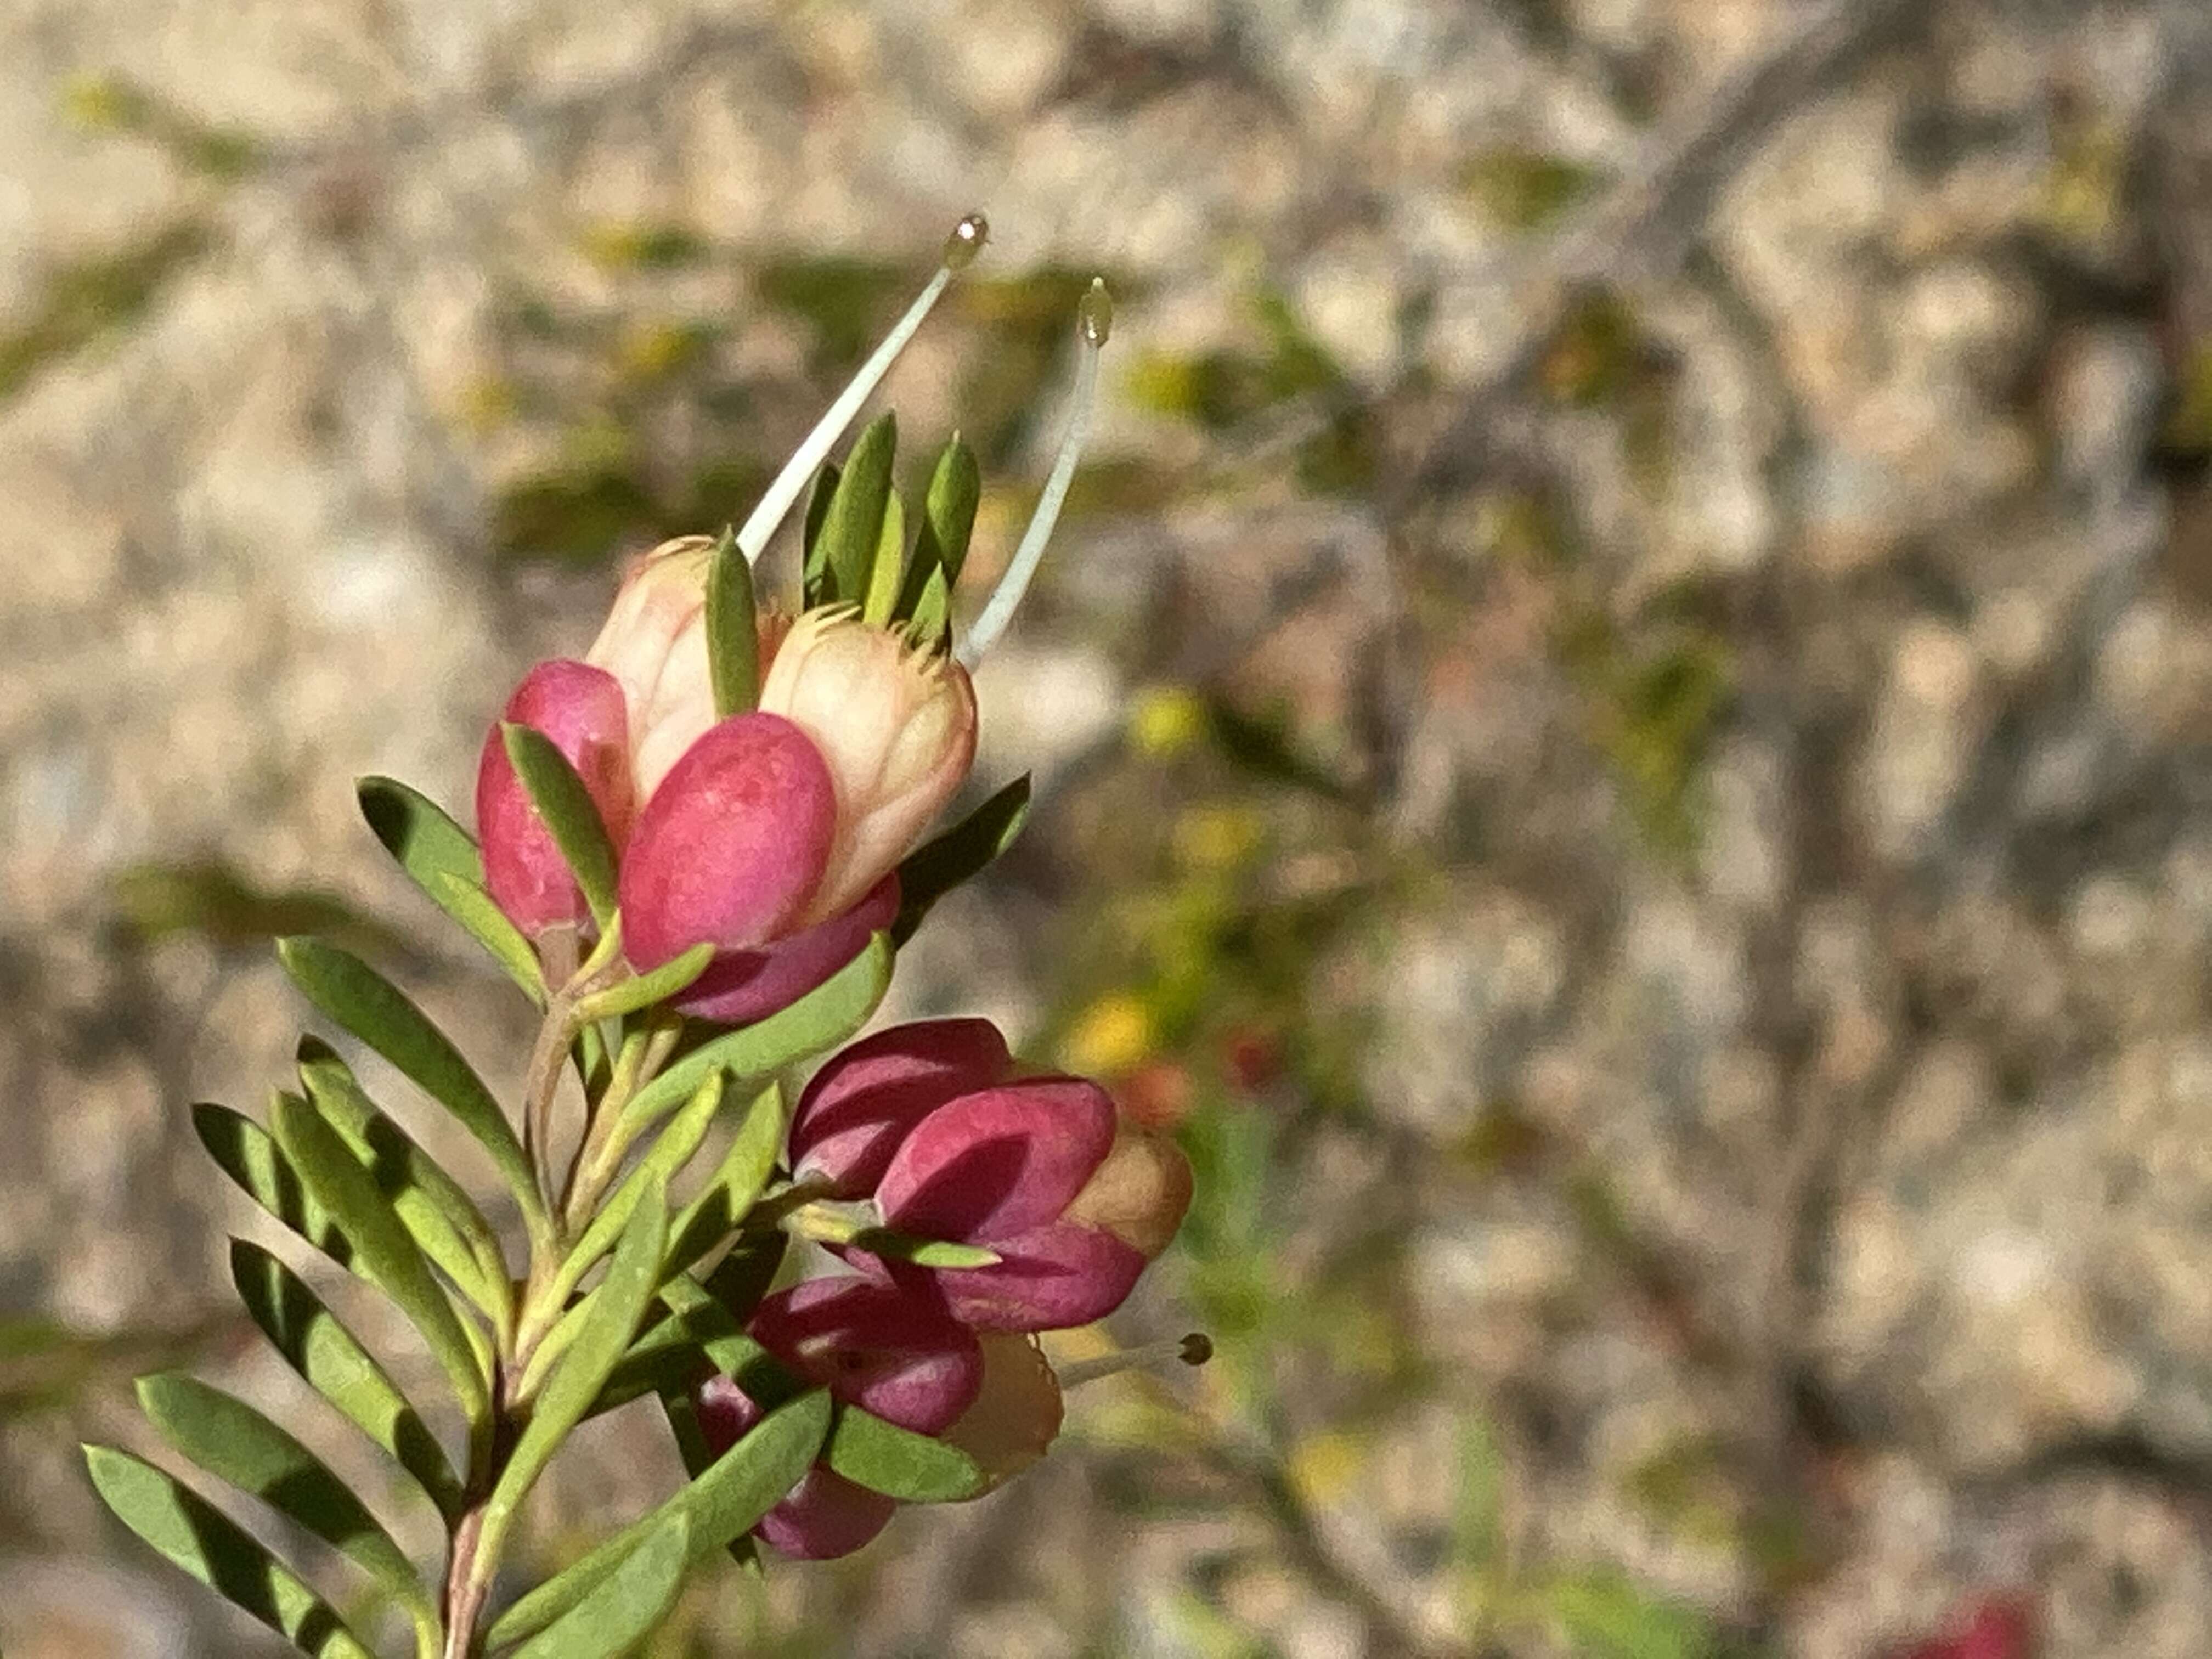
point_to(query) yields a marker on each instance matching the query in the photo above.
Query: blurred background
(1622, 719)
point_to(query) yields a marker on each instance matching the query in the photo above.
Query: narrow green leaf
(438, 1213)
(388, 1257)
(823, 1017)
(643, 990)
(488, 925)
(815, 585)
(668, 1354)
(370, 1006)
(726, 1198)
(948, 516)
(922, 1252)
(899, 1462)
(418, 832)
(231, 1440)
(652, 1174)
(732, 629)
(961, 854)
(626, 1606)
(207, 1544)
(616, 1307)
(723, 1503)
(566, 807)
(887, 565)
(929, 623)
(854, 522)
(439, 857)
(247, 1154)
(334, 1364)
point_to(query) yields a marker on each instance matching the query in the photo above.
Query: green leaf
(487, 924)
(854, 525)
(948, 517)
(568, 813)
(821, 1018)
(336, 1365)
(626, 1606)
(729, 1196)
(221, 1554)
(930, 616)
(723, 1503)
(388, 1258)
(606, 1333)
(652, 1174)
(922, 1252)
(438, 1213)
(439, 857)
(732, 629)
(669, 1354)
(365, 1003)
(247, 1154)
(231, 1440)
(643, 990)
(962, 853)
(899, 1462)
(887, 566)
(815, 583)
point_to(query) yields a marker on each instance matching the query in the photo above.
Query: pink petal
(1047, 1280)
(740, 987)
(728, 850)
(580, 709)
(892, 1350)
(999, 1162)
(863, 1102)
(825, 1516)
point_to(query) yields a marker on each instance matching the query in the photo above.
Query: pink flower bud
(863, 1102)
(580, 709)
(1038, 1170)
(882, 1347)
(731, 847)
(740, 987)
(897, 727)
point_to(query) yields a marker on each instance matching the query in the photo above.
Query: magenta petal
(732, 843)
(1047, 1279)
(725, 1411)
(999, 1162)
(740, 987)
(892, 1350)
(863, 1102)
(824, 1516)
(580, 709)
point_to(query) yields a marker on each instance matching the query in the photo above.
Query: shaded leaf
(961, 854)
(481, 917)
(815, 581)
(729, 1196)
(568, 813)
(948, 519)
(247, 1154)
(160, 901)
(643, 990)
(318, 1346)
(221, 1554)
(899, 1462)
(368, 1005)
(231, 1440)
(846, 544)
(887, 565)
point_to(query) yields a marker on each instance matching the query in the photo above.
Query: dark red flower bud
(581, 709)
(865, 1101)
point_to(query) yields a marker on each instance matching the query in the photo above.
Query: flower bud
(864, 1103)
(895, 725)
(883, 1347)
(731, 847)
(580, 709)
(1039, 1172)
(655, 642)
(740, 987)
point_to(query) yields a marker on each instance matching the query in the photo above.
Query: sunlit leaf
(644, 990)
(216, 1551)
(730, 1194)
(231, 1440)
(245, 1153)
(962, 853)
(887, 565)
(487, 924)
(821, 1019)
(626, 1606)
(371, 1007)
(388, 1257)
(899, 1462)
(652, 1174)
(318, 1346)
(732, 629)
(846, 546)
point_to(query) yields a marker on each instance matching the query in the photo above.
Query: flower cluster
(757, 780)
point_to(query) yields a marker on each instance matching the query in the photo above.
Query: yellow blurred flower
(1113, 1033)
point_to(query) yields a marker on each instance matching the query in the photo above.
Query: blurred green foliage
(1524, 190)
(94, 298)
